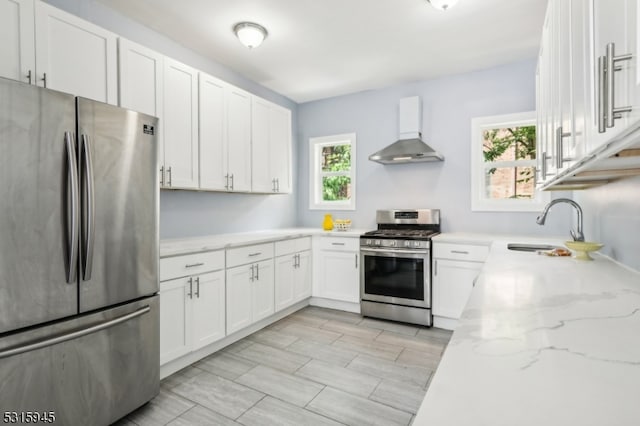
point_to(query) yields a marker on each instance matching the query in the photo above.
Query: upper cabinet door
(262, 178)
(17, 45)
(239, 139)
(140, 83)
(180, 125)
(280, 152)
(614, 36)
(212, 122)
(75, 56)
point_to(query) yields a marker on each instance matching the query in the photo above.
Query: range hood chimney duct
(409, 148)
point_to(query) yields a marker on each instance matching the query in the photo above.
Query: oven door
(397, 276)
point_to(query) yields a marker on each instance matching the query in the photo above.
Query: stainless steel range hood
(409, 148)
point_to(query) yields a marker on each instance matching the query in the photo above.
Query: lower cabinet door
(285, 273)
(339, 278)
(452, 285)
(239, 297)
(175, 319)
(302, 277)
(263, 290)
(208, 309)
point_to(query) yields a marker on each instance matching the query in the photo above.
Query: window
(503, 164)
(332, 177)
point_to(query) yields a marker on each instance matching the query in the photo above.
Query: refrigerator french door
(79, 333)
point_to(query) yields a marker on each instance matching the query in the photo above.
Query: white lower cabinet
(338, 272)
(292, 272)
(192, 314)
(455, 268)
(192, 307)
(250, 286)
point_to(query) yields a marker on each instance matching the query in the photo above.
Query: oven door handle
(387, 251)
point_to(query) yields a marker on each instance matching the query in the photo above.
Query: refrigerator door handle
(39, 344)
(88, 211)
(72, 232)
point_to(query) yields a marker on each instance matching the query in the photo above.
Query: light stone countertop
(542, 341)
(181, 246)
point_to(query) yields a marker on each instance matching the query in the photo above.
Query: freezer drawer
(107, 368)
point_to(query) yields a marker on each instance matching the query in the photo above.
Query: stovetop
(410, 234)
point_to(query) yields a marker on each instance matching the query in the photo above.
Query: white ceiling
(323, 48)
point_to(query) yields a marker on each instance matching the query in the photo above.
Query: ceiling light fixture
(250, 34)
(443, 4)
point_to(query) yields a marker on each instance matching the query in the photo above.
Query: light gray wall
(448, 106)
(612, 216)
(188, 213)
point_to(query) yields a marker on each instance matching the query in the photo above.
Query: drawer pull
(194, 265)
(459, 252)
(255, 254)
(337, 244)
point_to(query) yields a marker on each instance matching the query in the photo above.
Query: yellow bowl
(583, 248)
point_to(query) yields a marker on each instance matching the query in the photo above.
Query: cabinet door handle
(161, 175)
(253, 274)
(194, 265)
(232, 185)
(459, 252)
(190, 294)
(29, 76)
(198, 287)
(602, 104)
(611, 60)
(337, 244)
(258, 272)
(170, 180)
(44, 79)
(435, 267)
(560, 160)
(356, 260)
(255, 254)
(295, 261)
(277, 184)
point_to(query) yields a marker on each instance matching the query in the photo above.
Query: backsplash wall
(191, 213)
(448, 105)
(612, 217)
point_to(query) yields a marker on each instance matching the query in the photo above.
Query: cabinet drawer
(249, 254)
(191, 264)
(339, 243)
(292, 246)
(473, 253)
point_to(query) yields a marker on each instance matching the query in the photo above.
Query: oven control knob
(377, 242)
(416, 243)
(407, 243)
(392, 243)
(368, 242)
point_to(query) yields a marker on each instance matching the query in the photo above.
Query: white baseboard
(335, 304)
(445, 323)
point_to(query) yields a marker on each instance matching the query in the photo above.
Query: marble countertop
(181, 246)
(542, 341)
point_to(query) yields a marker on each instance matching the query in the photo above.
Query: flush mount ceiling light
(443, 4)
(250, 34)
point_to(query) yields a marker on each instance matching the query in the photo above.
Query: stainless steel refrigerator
(79, 321)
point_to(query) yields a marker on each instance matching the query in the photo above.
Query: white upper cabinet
(213, 161)
(140, 86)
(17, 43)
(588, 93)
(140, 78)
(271, 146)
(238, 145)
(75, 56)
(180, 125)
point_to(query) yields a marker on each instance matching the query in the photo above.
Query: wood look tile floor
(315, 367)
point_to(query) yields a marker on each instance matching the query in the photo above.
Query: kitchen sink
(530, 247)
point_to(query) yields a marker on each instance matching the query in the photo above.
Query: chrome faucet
(577, 234)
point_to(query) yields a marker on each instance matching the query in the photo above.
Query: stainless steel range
(395, 277)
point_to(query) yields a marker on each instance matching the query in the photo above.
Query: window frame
(479, 202)
(316, 174)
